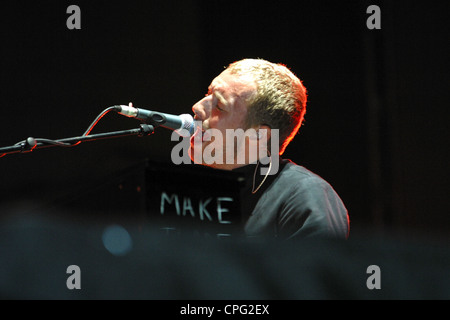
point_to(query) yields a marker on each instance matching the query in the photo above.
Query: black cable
(94, 123)
(64, 144)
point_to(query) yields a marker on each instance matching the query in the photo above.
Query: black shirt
(294, 202)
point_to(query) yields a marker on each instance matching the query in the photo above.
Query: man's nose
(202, 109)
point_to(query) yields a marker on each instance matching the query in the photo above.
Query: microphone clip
(146, 130)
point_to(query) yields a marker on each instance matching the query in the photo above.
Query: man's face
(224, 107)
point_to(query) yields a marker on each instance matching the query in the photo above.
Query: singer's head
(264, 99)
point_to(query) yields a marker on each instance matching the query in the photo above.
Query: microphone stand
(31, 143)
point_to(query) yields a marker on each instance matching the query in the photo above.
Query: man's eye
(219, 108)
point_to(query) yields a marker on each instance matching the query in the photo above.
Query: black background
(376, 124)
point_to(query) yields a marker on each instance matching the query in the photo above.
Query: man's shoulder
(293, 171)
(294, 178)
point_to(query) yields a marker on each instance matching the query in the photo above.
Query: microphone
(169, 121)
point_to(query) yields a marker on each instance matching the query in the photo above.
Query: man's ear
(261, 132)
(259, 142)
(264, 132)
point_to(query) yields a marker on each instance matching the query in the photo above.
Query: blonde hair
(280, 100)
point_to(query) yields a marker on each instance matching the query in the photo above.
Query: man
(252, 111)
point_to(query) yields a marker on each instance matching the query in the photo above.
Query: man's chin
(196, 154)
